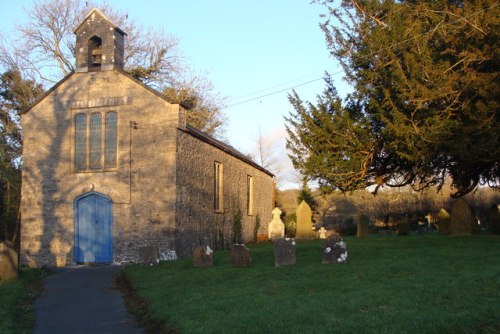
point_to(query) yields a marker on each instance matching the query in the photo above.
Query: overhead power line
(359, 58)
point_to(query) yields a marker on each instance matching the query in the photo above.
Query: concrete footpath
(83, 299)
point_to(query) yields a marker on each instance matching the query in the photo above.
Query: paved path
(85, 300)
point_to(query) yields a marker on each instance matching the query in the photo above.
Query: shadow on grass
(17, 296)
(140, 308)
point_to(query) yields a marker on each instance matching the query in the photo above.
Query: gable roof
(187, 129)
(97, 11)
(137, 81)
(223, 147)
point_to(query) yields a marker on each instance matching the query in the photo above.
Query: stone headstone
(284, 252)
(240, 256)
(322, 233)
(444, 222)
(304, 222)
(494, 219)
(404, 227)
(149, 254)
(334, 250)
(9, 264)
(461, 218)
(363, 225)
(276, 228)
(202, 257)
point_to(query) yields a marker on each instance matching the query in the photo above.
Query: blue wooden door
(93, 229)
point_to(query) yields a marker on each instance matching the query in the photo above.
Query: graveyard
(412, 284)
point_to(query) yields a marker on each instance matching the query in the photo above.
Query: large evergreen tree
(16, 94)
(424, 107)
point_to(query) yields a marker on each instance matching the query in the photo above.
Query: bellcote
(99, 44)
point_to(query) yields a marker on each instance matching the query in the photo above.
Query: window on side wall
(250, 195)
(95, 142)
(218, 187)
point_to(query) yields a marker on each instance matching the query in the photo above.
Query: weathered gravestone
(202, 257)
(363, 226)
(443, 222)
(404, 227)
(276, 228)
(334, 250)
(284, 252)
(304, 222)
(8, 261)
(322, 233)
(461, 218)
(494, 219)
(240, 256)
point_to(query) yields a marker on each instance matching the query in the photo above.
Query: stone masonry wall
(197, 220)
(142, 187)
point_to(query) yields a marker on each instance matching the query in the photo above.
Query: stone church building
(112, 172)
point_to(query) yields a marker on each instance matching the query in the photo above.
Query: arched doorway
(93, 229)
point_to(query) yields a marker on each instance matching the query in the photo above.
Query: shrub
(290, 225)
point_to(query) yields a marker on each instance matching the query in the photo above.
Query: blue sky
(248, 49)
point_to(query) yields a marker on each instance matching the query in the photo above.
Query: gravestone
(363, 224)
(202, 257)
(9, 264)
(322, 233)
(461, 218)
(240, 256)
(334, 250)
(494, 219)
(444, 222)
(276, 228)
(304, 222)
(404, 227)
(284, 252)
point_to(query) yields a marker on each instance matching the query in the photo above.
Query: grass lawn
(16, 298)
(415, 284)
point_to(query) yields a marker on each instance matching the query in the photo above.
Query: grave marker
(494, 219)
(363, 225)
(276, 228)
(202, 256)
(334, 250)
(240, 256)
(304, 222)
(461, 219)
(444, 222)
(284, 252)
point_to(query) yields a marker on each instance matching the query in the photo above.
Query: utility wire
(276, 92)
(358, 58)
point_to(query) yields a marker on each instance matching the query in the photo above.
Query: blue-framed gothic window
(95, 141)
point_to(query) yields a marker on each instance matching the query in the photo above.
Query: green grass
(416, 284)
(16, 298)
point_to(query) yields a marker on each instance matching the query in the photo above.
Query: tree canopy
(424, 106)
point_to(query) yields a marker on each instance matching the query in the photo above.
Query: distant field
(416, 284)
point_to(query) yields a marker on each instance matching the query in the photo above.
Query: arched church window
(95, 142)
